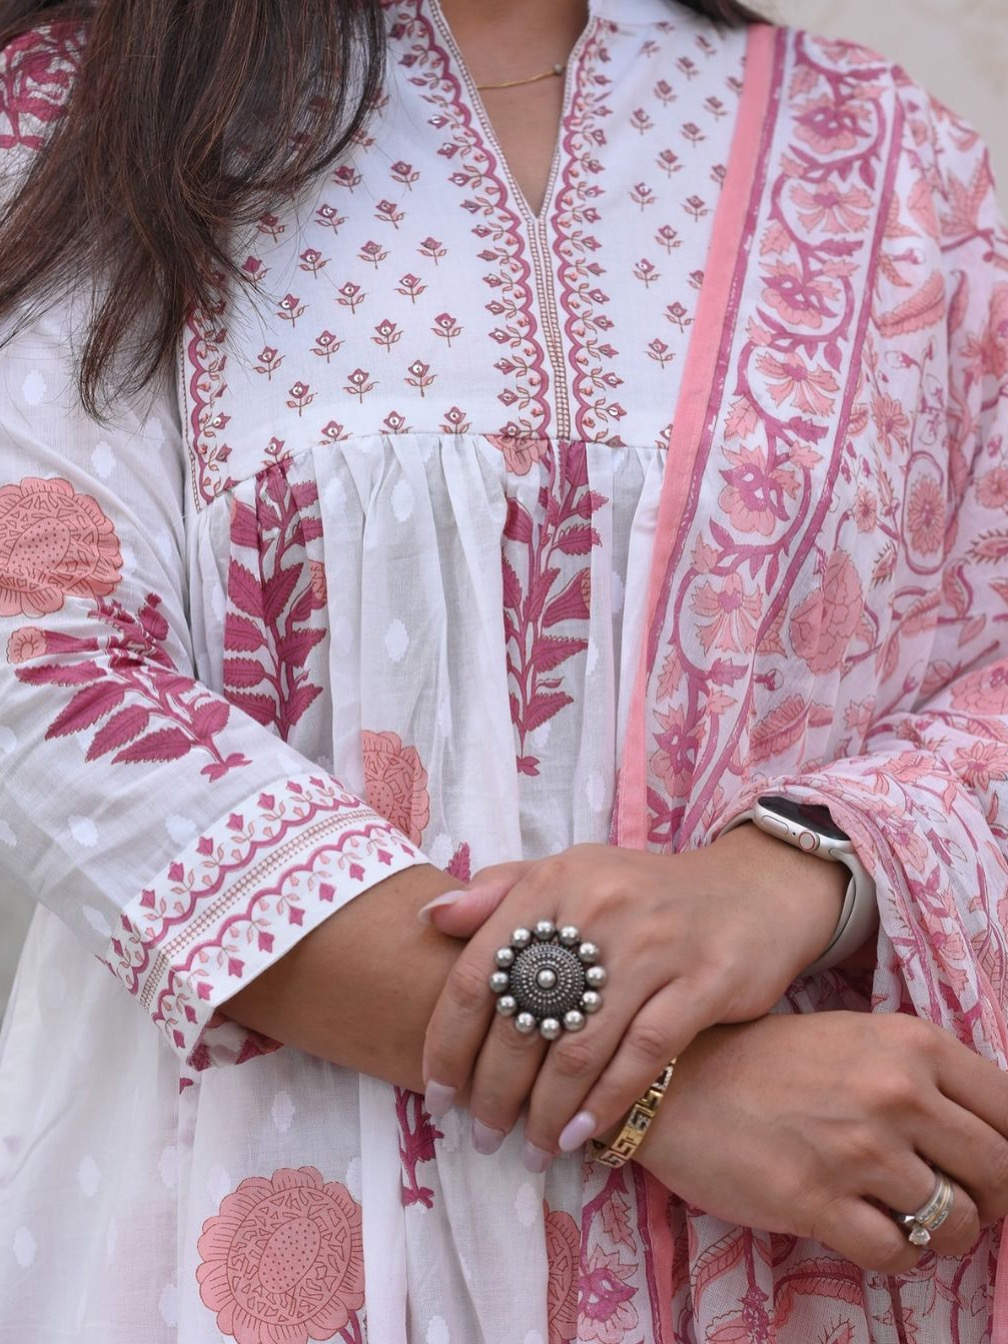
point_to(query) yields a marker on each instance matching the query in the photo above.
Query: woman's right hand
(817, 1125)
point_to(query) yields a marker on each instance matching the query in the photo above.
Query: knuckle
(647, 1041)
(996, 1166)
(960, 1230)
(574, 1059)
(469, 990)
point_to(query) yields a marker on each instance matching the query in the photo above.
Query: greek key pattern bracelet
(644, 1109)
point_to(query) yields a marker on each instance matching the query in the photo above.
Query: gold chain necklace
(514, 83)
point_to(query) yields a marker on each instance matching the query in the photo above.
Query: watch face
(813, 815)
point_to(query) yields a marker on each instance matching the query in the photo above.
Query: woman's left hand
(689, 940)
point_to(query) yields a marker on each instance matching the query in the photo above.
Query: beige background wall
(958, 48)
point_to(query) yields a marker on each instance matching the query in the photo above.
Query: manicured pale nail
(534, 1159)
(577, 1132)
(446, 898)
(484, 1139)
(438, 1100)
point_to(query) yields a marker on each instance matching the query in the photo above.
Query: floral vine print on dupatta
(562, 1251)
(284, 1259)
(550, 553)
(56, 544)
(779, 446)
(611, 1259)
(417, 1136)
(206, 332)
(270, 628)
(497, 225)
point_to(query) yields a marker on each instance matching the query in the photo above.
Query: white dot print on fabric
(217, 602)
(97, 920)
(84, 831)
(7, 836)
(33, 389)
(168, 1166)
(533, 1337)
(450, 1126)
(88, 1176)
(526, 1205)
(402, 500)
(591, 658)
(7, 740)
(437, 1331)
(181, 829)
(396, 641)
(595, 791)
(165, 543)
(352, 1180)
(440, 850)
(341, 634)
(103, 459)
(617, 593)
(218, 1183)
(334, 497)
(168, 1304)
(282, 1111)
(24, 1247)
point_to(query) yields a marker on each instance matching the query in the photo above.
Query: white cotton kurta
(335, 517)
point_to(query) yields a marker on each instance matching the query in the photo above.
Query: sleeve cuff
(240, 897)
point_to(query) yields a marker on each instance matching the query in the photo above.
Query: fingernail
(438, 1100)
(446, 898)
(577, 1132)
(534, 1159)
(484, 1139)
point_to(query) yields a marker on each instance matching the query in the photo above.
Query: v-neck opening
(533, 219)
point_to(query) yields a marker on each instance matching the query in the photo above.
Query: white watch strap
(858, 915)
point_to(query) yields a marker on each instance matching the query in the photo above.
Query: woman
(600, 388)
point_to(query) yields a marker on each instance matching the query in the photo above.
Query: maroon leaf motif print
(417, 1136)
(274, 591)
(136, 669)
(568, 506)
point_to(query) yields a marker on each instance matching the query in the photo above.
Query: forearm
(359, 990)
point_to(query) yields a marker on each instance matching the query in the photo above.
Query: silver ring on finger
(548, 979)
(931, 1215)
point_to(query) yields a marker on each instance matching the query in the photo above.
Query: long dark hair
(141, 183)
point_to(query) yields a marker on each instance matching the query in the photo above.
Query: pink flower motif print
(54, 543)
(520, 453)
(606, 1309)
(989, 353)
(807, 389)
(728, 615)
(925, 517)
(26, 643)
(395, 783)
(982, 692)
(799, 300)
(283, 1259)
(562, 1252)
(828, 208)
(754, 497)
(829, 126)
(824, 622)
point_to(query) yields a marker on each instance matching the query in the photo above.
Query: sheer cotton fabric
(382, 600)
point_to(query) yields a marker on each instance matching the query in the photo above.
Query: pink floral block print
(283, 1259)
(54, 543)
(396, 782)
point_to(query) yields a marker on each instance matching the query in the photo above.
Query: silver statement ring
(930, 1216)
(548, 979)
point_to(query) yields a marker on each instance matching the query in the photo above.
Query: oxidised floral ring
(547, 978)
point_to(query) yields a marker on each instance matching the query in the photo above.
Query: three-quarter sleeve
(925, 799)
(182, 841)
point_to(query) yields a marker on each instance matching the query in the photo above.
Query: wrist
(803, 894)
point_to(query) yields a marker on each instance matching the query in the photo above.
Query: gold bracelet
(644, 1109)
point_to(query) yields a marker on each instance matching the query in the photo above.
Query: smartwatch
(809, 827)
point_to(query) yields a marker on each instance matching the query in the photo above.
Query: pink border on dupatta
(724, 274)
